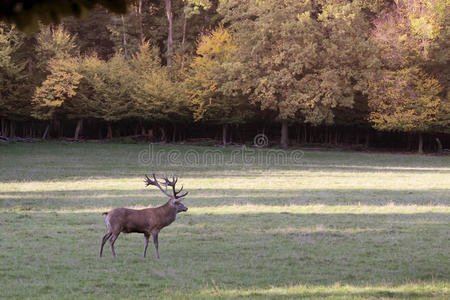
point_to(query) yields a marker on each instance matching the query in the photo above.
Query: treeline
(317, 71)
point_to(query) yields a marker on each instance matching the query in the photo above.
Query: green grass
(334, 224)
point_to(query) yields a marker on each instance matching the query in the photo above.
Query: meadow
(329, 224)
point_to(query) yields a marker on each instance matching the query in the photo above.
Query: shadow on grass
(324, 294)
(62, 172)
(332, 291)
(92, 198)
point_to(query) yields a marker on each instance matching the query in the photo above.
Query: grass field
(331, 224)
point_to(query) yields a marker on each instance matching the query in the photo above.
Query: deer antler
(155, 182)
(166, 184)
(172, 184)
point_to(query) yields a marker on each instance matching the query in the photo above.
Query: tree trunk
(12, 129)
(183, 41)
(60, 129)
(182, 136)
(170, 31)
(32, 129)
(330, 135)
(366, 145)
(408, 141)
(56, 126)
(174, 133)
(163, 134)
(109, 134)
(206, 20)
(305, 133)
(217, 136)
(150, 134)
(439, 146)
(3, 128)
(284, 134)
(124, 37)
(230, 136)
(239, 131)
(139, 15)
(78, 129)
(47, 128)
(420, 148)
(99, 132)
(224, 135)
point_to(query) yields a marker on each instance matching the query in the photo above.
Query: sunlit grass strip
(302, 180)
(260, 209)
(420, 289)
(319, 209)
(384, 168)
(60, 194)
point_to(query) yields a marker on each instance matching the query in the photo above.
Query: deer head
(174, 199)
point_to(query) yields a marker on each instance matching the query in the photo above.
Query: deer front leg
(155, 241)
(146, 244)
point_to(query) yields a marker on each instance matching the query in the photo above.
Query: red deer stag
(148, 221)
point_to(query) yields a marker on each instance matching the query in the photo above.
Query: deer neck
(169, 212)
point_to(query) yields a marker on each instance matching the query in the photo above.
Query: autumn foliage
(378, 64)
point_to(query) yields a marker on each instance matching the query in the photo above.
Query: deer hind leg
(112, 240)
(155, 241)
(105, 238)
(146, 244)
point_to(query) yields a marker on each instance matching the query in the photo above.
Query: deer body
(148, 221)
(145, 221)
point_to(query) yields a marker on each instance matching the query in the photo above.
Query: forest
(361, 73)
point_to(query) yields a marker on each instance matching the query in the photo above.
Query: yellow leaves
(156, 92)
(403, 38)
(407, 34)
(405, 100)
(59, 85)
(260, 2)
(146, 58)
(55, 42)
(216, 45)
(203, 82)
(424, 27)
(304, 17)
